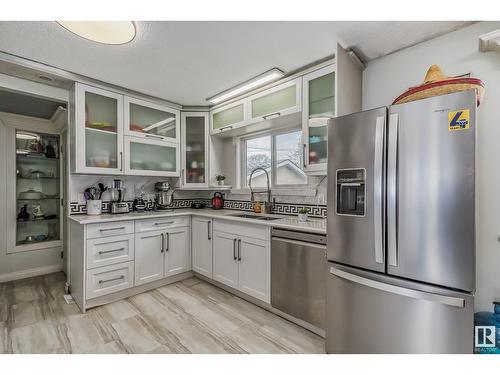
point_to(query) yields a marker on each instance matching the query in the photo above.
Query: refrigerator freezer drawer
(372, 313)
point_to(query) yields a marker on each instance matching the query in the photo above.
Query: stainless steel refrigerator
(401, 254)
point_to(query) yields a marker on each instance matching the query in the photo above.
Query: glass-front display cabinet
(150, 120)
(98, 133)
(319, 107)
(195, 130)
(37, 189)
(151, 158)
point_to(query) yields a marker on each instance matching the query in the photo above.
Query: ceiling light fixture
(260, 80)
(106, 32)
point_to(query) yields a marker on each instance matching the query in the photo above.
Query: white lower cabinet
(201, 245)
(149, 256)
(109, 279)
(177, 254)
(161, 253)
(254, 277)
(243, 263)
(225, 264)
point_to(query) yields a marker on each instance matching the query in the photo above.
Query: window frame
(273, 177)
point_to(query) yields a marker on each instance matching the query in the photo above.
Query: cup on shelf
(94, 207)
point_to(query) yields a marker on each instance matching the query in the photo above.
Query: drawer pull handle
(108, 229)
(164, 223)
(111, 251)
(109, 280)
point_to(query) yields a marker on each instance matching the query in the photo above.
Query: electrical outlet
(321, 198)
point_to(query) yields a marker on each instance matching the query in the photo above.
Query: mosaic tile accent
(279, 207)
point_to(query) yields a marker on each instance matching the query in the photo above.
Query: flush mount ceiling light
(106, 32)
(260, 80)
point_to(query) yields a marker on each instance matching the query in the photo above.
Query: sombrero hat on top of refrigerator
(436, 83)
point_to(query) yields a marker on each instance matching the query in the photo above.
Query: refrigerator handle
(392, 164)
(377, 189)
(389, 288)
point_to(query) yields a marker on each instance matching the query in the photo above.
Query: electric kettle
(218, 201)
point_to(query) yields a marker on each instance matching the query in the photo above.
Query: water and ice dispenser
(351, 192)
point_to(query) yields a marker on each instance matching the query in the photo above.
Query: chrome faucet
(268, 205)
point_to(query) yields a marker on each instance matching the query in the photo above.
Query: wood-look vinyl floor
(190, 316)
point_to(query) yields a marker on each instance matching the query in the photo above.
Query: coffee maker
(118, 205)
(164, 196)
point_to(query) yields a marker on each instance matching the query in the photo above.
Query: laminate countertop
(312, 225)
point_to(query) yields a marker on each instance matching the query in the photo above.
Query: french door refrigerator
(400, 227)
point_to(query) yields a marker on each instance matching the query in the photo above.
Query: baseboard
(38, 271)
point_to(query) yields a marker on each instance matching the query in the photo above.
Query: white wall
(457, 53)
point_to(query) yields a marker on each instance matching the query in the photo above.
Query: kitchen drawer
(109, 279)
(110, 229)
(242, 229)
(110, 250)
(161, 223)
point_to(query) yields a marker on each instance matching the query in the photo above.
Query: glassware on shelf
(37, 187)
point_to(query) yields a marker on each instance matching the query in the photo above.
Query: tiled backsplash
(315, 210)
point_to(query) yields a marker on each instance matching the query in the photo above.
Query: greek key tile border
(281, 208)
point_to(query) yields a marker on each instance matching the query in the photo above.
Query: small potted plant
(220, 179)
(303, 214)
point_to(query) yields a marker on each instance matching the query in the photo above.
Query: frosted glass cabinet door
(277, 101)
(151, 158)
(195, 149)
(99, 130)
(319, 107)
(150, 120)
(228, 117)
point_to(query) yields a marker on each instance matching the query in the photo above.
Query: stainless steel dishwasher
(298, 281)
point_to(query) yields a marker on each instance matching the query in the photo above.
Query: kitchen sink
(256, 217)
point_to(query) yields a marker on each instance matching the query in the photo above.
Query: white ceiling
(186, 62)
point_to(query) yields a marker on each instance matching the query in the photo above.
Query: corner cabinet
(110, 133)
(195, 156)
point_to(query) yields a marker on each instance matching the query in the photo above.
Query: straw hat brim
(442, 87)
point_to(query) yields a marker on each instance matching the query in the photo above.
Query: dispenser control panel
(351, 191)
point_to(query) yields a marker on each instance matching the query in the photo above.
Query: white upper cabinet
(151, 121)
(115, 134)
(319, 107)
(97, 135)
(195, 140)
(228, 117)
(146, 157)
(281, 100)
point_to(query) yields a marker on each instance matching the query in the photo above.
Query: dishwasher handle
(301, 243)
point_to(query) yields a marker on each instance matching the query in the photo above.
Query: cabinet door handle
(108, 229)
(304, 156)
(162, 242)
(277, 114)
(208, 225)
(239, 250)
(111, 251)
(121, 161)
(164, 223)
(154, 136)
(234, 249)
(109, 280)
(225, 127)
(168, 241)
